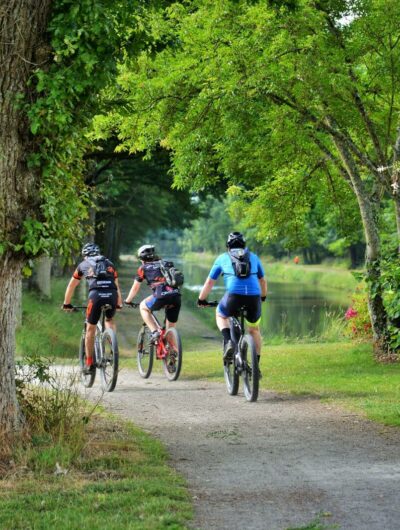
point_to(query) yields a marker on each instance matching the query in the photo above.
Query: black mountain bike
(244, 361)
(106, 356)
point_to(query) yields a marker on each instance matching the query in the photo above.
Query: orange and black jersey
(151, 272)
(86, 269)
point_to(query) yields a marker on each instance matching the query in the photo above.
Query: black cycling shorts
(97, 299)
(230, 304)
(171, 302)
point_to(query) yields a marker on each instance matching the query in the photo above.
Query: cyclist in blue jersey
(246, 286)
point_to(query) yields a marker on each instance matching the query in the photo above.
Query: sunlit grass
(341, 372)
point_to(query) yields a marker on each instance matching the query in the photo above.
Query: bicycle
(106, 355)
(244, 361)
(167, 348)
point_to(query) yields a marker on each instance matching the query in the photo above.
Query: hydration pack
(102, 269)
(240, 258)
(173, 277)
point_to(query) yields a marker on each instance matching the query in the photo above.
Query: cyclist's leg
(111, 299)
(145, 307)
(253, 318)
(172, 309)
(222, 315)
(92, 317)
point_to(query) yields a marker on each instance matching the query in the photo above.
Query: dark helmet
(90, 249)
(235, 240)
(146, 253)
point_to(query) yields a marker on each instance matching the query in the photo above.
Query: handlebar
(210, 304)
(131, 304)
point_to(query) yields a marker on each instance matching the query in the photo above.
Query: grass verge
(120, 480)
(342, 373)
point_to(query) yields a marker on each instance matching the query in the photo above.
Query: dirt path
(281, 462)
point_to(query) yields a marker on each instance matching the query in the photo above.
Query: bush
(357, 316)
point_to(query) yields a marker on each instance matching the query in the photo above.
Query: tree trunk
(42, 278)
(377, 311)
(10, 289)
(22, 49)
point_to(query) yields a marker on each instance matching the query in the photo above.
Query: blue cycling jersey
(234, 285)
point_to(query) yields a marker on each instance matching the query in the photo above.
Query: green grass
(121, 480)
(47, 330)
(342, 373)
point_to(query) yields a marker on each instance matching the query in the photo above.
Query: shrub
(357, 316)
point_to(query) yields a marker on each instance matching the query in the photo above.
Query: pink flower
(350, 313)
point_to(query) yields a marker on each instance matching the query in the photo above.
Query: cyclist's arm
(208, 285)
(70, 290)
(263, 285)
(133, 292)
(119, 300)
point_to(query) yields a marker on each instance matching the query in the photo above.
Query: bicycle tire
(145, 352)
(231, 377)
(109, 360)
(172, 362)
(250, 373)
(86, 379)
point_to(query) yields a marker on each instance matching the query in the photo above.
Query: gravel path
(278, 463)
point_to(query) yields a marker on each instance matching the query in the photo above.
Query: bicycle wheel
(109, 360)
(172, 362)
(145, 352)
(86, 378)
(250, 373)
(231, 377)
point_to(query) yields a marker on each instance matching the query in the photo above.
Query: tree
(55, 56)
(278, 99)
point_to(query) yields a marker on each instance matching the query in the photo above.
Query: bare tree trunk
(22, 48)
(10, 289)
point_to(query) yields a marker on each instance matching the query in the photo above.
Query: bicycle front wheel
(109, 360)
(145, 352)
(172, 362)
(87, 377)
(231, 377)
(250, 373)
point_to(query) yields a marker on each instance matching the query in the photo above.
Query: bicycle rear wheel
(87, 378)
(250, 373)
(172, 362)
(145, 352)
(109, 360)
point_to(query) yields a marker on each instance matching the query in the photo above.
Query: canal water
(291, 310)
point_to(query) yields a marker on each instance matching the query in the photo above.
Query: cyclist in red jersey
(103, 290)
(163, 294)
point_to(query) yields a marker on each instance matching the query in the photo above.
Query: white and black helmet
(146, 253)
(90, 249)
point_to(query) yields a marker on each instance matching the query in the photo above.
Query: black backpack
(101, 267)
(240, 258)
(173, 277)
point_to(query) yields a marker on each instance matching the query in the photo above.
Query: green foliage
(390, 281)
(86, 42)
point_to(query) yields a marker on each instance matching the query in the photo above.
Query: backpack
(240, 259)
(102, 269)
(173, 277)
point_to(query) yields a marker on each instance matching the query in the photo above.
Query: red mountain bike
(167, 348)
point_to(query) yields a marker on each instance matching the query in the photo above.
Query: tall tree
(273, 97)
(55, 56)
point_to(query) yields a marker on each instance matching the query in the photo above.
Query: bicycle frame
(161, 351)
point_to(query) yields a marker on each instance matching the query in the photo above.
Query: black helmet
(90, 249)
(235, 240)
(146, 253)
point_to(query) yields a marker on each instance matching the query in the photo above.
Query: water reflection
(291, 310)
